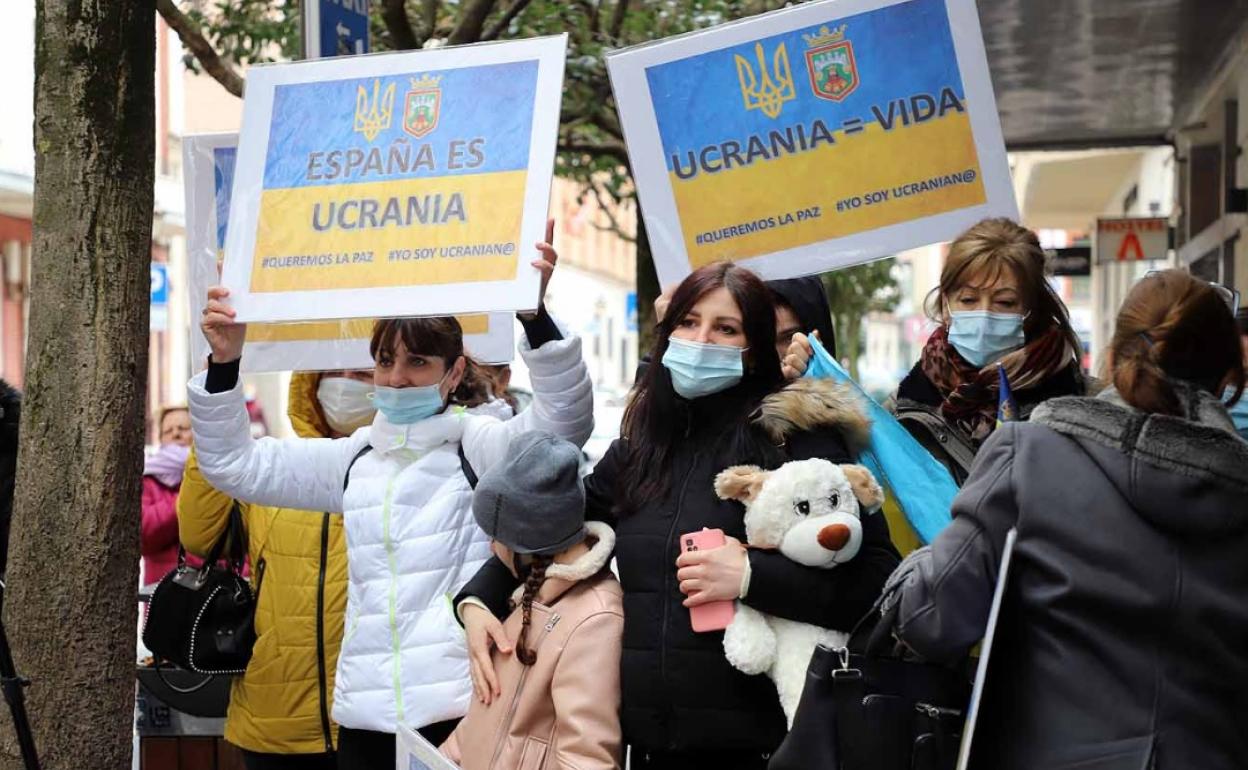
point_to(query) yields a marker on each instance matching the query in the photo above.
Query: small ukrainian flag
(1007, 409)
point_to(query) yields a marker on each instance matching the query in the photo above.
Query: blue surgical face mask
(700, 369)
(1239, 412)
(982, 337)
(404, 406)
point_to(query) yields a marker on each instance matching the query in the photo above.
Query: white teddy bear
(810, 510)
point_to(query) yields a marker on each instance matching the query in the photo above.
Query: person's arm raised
(563, 395)
(294, 473)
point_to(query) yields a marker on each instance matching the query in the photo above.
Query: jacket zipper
(515, 699)
(320, 636)
(392, 562)
(669, 570)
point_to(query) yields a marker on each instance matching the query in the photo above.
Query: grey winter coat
(1123, 641)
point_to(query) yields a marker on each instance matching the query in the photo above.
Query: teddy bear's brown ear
(740, 482)
(866, 488)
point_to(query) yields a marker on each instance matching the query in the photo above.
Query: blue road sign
(630, 310)
(160, 283)
(335, 28)
(159, 316)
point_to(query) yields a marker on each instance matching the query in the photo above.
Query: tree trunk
(647, 291)
(71, 609)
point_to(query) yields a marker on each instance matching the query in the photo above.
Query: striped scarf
(970, 394)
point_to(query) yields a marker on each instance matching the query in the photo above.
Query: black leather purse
(202, 619)
(866, 707)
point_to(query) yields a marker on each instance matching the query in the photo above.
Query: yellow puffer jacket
(282, 704)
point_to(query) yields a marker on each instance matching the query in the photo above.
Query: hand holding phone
(712, 616)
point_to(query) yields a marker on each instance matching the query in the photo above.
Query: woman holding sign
(1121, 637)
(717, 399)
(403, 486)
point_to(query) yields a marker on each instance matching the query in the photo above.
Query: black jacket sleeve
(834, 598)
(540, 329)
(946, 598)
(493, 584)
(600, 499)
(221, 377)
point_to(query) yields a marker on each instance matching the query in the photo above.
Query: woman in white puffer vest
(401, 483)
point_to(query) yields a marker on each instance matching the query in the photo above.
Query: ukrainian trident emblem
(372, 116)
(423, 104)
(830, 60)
(767, 90)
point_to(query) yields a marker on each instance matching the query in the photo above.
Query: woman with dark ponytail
(559, 696)
(1123, 628)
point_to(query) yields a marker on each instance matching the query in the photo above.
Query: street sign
(335, 28)
(1130, 239)
(630, 311)
(1074, 261)
(159, 297)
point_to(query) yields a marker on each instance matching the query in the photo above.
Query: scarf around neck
(970, 394)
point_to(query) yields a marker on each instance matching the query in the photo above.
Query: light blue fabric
(923, 487)
(1239, 412)
(982, 337)
(404, 406)
(700, 369)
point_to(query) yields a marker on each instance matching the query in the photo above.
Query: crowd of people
(431, 558)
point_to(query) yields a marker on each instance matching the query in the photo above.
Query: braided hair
(534, 578)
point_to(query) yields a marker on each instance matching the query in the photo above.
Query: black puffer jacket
(678, 690)
(1123, 627)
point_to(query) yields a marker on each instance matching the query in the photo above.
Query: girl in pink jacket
(558, 695)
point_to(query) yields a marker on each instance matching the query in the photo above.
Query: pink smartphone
(712, 616)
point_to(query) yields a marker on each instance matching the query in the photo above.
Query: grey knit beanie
(534, 501)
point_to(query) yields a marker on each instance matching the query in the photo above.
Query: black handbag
(202, 619)
(866, 707)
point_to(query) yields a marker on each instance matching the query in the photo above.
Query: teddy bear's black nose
(834, 537)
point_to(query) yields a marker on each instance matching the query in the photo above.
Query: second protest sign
(814, 137)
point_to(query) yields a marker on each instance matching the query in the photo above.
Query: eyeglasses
(1228, 295)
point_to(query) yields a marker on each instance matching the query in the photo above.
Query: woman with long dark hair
(718, 399)
(1123, 625)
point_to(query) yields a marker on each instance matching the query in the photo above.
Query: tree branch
(615, 149)
(471, 21)
(429, 15)
(197, 44)
(402, 36)
(613, 223)
(617, 21)
(500, 26)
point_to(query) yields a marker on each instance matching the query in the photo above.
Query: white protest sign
(413, 752)
(398, 184)
(985, 650)
(1128, 239)
(814, 137)
(208, 166)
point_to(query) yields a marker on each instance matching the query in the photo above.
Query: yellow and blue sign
(408, 184)
(308, 345)
(402, 179)
(822, 125)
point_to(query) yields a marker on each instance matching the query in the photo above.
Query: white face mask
(346, 403)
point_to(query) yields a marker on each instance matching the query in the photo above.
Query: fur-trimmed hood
(808, 404)
(1187, 474)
